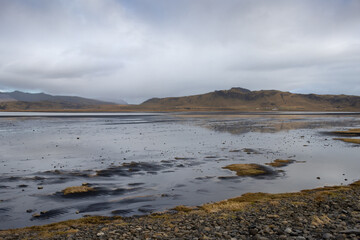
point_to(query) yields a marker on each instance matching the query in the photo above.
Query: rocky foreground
(324, 213)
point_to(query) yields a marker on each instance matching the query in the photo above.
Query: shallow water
(141, 163)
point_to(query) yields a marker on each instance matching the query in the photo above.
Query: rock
(40, 187)
(258, 237)
(253, 231)
(288, 230)
(351, 231)
(327, 236)
(99, 234)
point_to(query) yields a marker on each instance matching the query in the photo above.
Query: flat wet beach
(57, 167)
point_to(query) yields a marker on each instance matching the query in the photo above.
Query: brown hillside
(264, 100)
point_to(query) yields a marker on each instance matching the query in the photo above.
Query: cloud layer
(138, 49)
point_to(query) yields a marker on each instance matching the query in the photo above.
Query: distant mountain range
(17, 101)
(235, 99)
(240, 99)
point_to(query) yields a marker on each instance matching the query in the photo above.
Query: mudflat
(57, 167)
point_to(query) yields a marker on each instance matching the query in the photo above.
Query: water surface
(146, 162)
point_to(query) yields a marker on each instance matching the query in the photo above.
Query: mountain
(18, 101)
(235, 99)
(240, 99)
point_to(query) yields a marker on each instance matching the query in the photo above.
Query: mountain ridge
(264, 100)
(18, 101)
(234, 99)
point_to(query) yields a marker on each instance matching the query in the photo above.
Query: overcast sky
(138, 49)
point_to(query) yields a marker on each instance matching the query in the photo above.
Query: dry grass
(349, 140)
(246, 200)
(246, 169)
(355, 184)
(224, 205)
(280, 163)
(183, 208)
(77, 189)
(318, 221)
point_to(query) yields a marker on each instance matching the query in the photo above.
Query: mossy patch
(183, 208)
(251, 169)
(349, 140)
(77, 189)
(318, 221)
(280, 162)
(246, 200)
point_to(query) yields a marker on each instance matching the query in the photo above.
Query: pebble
(351, 231)
(327, 236)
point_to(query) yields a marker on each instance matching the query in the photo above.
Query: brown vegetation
(247, 169)
(280, 163)
(77, 189)
(349, 140)
(349, 132)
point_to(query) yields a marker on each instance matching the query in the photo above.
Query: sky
(138, 49)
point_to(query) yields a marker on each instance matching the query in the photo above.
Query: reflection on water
(140, 163)
(273, 124)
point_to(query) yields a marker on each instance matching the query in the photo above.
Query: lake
(139, 163)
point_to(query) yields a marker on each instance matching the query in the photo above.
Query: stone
(327, 236)
(253, 231)
(351, 231)
(288, 230)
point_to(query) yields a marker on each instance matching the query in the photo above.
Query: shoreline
(321, 213)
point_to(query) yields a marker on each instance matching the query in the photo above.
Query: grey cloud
(137, 49)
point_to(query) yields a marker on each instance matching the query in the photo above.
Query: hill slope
(246, 100)
(17, 101)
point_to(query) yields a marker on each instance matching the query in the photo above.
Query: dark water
(140, 163)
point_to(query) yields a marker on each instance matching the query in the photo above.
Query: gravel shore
(324, 213)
